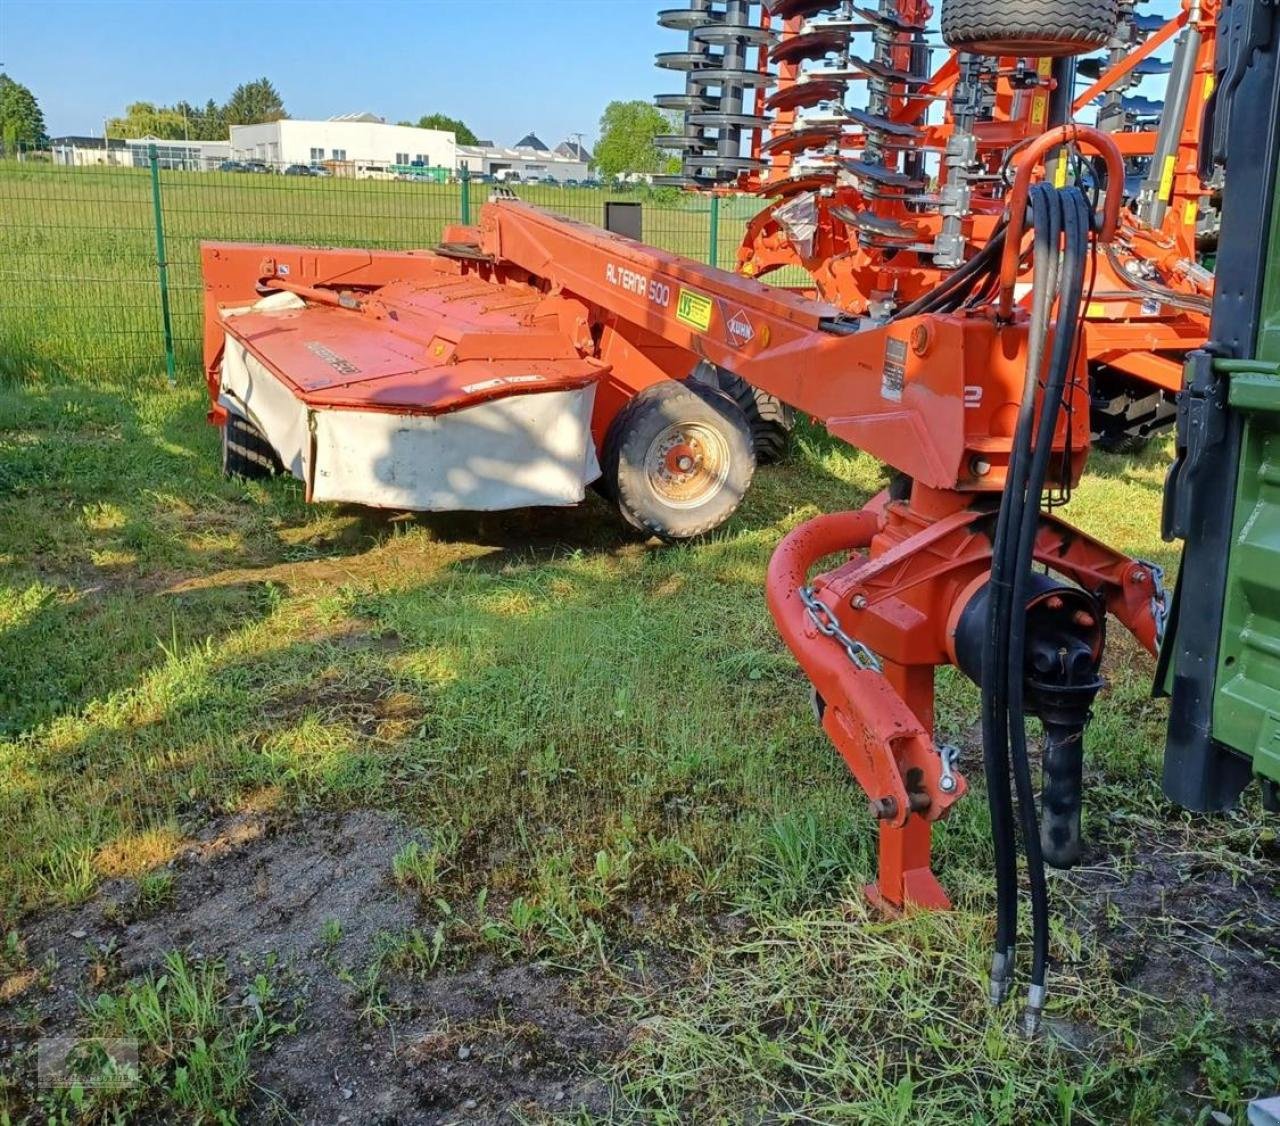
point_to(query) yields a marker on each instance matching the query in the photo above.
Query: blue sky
(504, 66)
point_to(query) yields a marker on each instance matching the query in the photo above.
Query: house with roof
(528, 160)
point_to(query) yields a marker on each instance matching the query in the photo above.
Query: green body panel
(1246, 706)
(1246, 712)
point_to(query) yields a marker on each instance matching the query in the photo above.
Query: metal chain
(826, 623)
(949, 754)
(1160, 600)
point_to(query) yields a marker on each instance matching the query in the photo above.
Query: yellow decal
(694, 310)
(1190, 213)
(1166, 177)
(1095, 309)
(1060, 173)
(1208, 86)
(1038, 104)
(1044, 66)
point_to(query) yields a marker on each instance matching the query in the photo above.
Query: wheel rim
(687, 464)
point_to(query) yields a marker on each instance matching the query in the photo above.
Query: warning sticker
(694, 310)
(895, 369)
(1166, 177)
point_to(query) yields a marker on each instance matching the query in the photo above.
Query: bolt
(883, 808)
(947, 784)
(1083, 619)
(860, 602)
(980, 466)
(1054, 603)
(1138, 576)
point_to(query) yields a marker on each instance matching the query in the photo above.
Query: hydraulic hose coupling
(1034, 1012)
(1028, 158)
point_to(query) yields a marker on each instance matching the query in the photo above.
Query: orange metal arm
(1113, 75)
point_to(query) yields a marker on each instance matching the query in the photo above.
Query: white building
(82, 151)
(188, 156)
(350, 144)
(529, 160)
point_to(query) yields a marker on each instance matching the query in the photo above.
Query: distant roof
(531, 141)
(366, 117)
(79, 142)
(573, 150)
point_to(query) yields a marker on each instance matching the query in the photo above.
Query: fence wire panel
(270, 207)
(80, 290)
(78, 270)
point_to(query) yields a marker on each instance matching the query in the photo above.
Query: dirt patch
(373, 706)
(1182, 921)
(309, 901)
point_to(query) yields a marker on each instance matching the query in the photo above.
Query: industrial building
(344, 144)
(135, 152)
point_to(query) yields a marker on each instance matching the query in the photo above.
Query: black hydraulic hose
(984, 260)
(995, 712)
(1075, 227)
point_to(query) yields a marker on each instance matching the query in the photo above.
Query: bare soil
(1181, 923)
(478, 1044)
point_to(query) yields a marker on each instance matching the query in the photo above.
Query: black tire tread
(631, 507)
(770, 419)
(1000, 26)
(1125, 413)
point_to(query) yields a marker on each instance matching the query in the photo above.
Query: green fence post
(466, 195)
(713, 251)
(162, 265)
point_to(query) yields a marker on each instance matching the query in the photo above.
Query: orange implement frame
(934, 396)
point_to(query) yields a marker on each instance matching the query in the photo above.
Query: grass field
(333, 812)
(78, 280)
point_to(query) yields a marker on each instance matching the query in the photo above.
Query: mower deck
(440, 392)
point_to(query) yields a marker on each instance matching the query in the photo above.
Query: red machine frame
(935, 396)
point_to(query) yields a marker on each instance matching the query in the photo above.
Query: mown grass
(611, 754)
(79, 290)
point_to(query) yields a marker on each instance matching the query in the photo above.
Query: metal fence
(93, 259)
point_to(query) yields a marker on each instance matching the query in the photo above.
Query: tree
(254, 102)
(21, 122)
(145, 119)
(627, 130)
(203, 123)
(462, 134)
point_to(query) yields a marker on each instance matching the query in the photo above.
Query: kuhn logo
(741, 331)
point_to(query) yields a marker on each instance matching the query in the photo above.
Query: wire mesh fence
(80, 279)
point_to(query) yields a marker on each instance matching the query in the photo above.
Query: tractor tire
(1028, 27)
(246, 452)
(770, 419)
(677, 460)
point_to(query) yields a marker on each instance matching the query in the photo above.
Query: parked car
(592, 183)
(232, 166)
(319, 170)
(572, 184)
(298, 170)
(258, 166)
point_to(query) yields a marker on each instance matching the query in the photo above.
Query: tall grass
(79, 288)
